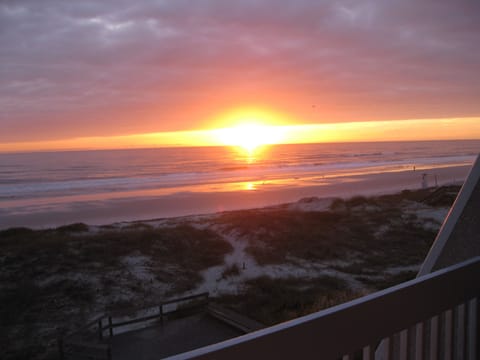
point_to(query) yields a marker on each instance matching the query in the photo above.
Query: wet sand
(110, 208)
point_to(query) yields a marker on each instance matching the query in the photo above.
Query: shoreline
(48, 213)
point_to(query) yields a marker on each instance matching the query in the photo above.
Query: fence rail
(73, 342)
(161, 313)
(434, 316)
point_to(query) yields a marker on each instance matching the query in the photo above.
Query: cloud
(117, 67)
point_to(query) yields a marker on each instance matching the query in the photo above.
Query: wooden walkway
(213, 325)
(190, 322)
(234, 319)
(173, 337)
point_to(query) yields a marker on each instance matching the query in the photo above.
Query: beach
(50, 189)
(101, 208)
(271, 263)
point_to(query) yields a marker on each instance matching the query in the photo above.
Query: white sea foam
(29, 182)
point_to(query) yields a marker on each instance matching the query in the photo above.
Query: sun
(250, 135)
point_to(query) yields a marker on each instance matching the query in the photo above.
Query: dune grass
(349, 228)
(45, 254)
(232, 270)
(68, 249)
(383, 282)
(66, 274)
(271, 301)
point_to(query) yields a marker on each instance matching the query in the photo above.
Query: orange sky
(78, 75)
(435, 129)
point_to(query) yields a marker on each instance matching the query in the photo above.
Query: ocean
(36, 183)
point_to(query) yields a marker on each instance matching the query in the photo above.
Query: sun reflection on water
(250, 156)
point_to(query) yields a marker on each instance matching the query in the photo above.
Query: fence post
(110, 327)
(60, 348)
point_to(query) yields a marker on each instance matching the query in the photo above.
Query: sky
(111, 70)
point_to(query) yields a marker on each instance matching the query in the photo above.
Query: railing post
(420, 340)
(477, 327)
(109, 352)
(389, 347)
(461, 331)
(472, 338)
(110, 327)
(434, 337)
(449, 329)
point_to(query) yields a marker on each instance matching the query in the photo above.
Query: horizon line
(350, 132)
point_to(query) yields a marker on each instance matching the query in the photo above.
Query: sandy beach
(98, 209)
(271, 263)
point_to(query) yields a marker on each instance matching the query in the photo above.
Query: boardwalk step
(234, 319)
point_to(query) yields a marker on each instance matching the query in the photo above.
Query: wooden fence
(75, 343)
(198, 299)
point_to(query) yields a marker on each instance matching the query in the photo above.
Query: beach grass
(350, 227)
(388, 280)
(68, 248)
(68, 272)
(230, 271)
(271, 301)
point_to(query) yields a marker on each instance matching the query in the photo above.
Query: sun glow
(251, 132)
(251, 135)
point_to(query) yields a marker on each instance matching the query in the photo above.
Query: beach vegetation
(138, 225)
(443, 196)
(15, 233)
(72, 271)
(357, 201)
(16, 301)
(273, 300)
(73, 228)
(232, 270)
(50, 249)
(182, 281)
(337, 204)
(388, 280)
(278, 235)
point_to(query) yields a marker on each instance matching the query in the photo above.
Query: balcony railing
(432, 317)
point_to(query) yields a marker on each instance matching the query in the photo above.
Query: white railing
(432, 317)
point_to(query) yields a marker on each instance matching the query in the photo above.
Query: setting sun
(249, 136)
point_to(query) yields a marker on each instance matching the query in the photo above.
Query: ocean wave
(112, 172)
